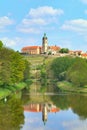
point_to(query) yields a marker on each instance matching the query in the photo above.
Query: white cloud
(84, 1)
(75, 125)
(38, 18)
(17, 42)
(29, 22)
(44, 11)
(5, 21)
(8, 42)
(28, 29)
(85, 11)
(77, 25)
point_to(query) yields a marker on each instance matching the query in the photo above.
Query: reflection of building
(44, 113)
(44, 49)
(33, 107)
(44, 108)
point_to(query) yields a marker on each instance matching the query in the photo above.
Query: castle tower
(44, 44)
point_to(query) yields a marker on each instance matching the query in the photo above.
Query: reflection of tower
(44, 43)
(44, 113)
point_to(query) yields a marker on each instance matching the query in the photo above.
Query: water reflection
(78, 103)
(44, 108)
(25, 111)
(70, 109)
(11, 114)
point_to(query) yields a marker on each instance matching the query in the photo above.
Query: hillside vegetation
(13, 69)
(71, 73)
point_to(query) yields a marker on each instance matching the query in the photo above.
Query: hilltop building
(44, 44)
(44, 49)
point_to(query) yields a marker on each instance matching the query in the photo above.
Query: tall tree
(77, 74)
(1, 44)
(60, 65)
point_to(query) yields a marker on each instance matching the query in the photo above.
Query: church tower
(44, 44)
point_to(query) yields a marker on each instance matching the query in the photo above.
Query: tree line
(71, 69)
(13, 67)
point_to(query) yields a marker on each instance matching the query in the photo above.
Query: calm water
(42, 112)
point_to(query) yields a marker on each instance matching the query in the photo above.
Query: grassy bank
(4, 92)
(69, 87)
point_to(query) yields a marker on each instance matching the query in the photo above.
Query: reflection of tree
(11, 115)
(61, 101)
(25, 95)
(78, 104)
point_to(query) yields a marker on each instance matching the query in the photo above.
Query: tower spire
(44, 44)
(44, 35)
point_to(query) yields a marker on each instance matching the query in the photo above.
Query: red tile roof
(55, 48)
(30, 47)
(78, 51)
(84, 54)
(54, 110)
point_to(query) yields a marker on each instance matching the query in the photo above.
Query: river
(39, 111)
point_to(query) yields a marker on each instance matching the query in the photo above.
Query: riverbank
(69, 87)
(4, 92)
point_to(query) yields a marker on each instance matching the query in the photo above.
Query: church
(44, 49)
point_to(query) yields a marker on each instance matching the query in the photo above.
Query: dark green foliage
(73, 70)
(64, 50)
(1, 44)
(43, 75)
(27, 70)
(17, 67)
(5, 73)
(77, 102)
(11, 113)
(60, 66)
(77, 74)
(13, 67)
(49, 53)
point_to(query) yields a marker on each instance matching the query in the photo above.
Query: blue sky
(23, 23)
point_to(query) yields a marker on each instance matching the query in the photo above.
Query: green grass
(69, 87)
(20, 86)
(4, 92)
(38, 59)
(35, 59)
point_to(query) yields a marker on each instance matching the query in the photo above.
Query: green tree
(17, 67)
(43, 75)
(64, 50)
(60, 65)
(77, 74)
(5, 66)
(27, 70)
(5, 75)
(13, 67)
(1, 44)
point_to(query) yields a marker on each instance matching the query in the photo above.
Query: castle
(44, 49)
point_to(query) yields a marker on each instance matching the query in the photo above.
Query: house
(53, 49)
(84, 55)
(31, 50)
(44, 49)
(76, 53)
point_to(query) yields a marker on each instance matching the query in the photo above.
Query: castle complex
(44, 49)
